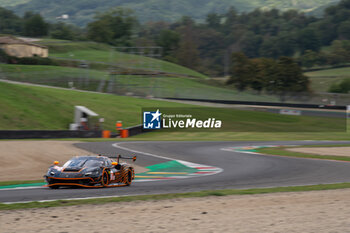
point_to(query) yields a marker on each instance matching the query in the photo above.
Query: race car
(91, 172)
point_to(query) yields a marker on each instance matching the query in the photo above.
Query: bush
(4, 58)
(32, 61)
(342, 87)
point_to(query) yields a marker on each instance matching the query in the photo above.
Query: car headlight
(51, 172)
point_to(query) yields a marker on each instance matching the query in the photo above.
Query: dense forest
(81, 12)
(262, 41)
(208, 46)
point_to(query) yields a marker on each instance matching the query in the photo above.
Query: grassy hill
(321, 80)
(175, 80)
(95, 52)
(89, 79)
(31, 107)
(82, 11)
(5, 3)
(318, 11)
(186, 83)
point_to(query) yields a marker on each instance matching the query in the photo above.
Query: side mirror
(134, 158)
(55, 162)
(114, 163)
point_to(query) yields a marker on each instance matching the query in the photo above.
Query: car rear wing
(122, 157)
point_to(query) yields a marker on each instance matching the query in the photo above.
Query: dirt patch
(337, 151)
(316, 211)
(29, 160)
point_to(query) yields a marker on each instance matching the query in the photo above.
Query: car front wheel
(105, 179)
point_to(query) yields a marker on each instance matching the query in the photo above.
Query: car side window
(108, 162)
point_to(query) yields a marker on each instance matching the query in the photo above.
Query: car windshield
(84, 162)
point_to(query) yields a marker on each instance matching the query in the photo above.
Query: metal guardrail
(52, 134)
(48, 134)
(293, 105)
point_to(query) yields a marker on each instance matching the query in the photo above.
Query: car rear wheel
(54, 187)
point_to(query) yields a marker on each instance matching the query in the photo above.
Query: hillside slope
(115, 72)
(82, 11)
(33, 107)
(5, 3)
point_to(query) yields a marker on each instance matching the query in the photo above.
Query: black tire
(105, 179)
(128, 178)
(133, 173)
(50, 182)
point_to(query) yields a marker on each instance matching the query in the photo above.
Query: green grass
(127, 61)
(15, 182)
(321, 80)
(4, 3)
(62, 46)
(173, 195)
(175, 86)
(59, 76)
(163, 87)
(139, 85)
(220, 136)
(95, 52)
(240, 136)
(30, 107)
(337, 145)
(282, 151)
(320, 84)
(336, 72)
(34, 71)
(168, 85)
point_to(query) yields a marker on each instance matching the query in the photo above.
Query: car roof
(90, 157)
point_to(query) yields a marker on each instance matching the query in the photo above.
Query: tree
(4, 57)
(344, 30)
(286, 44)
(213, 20)
(9, 22)
(241, 70)
(211, 49)
(169, 40)
(326, 31)
(342, 87)
(62, 31)
(100, 31)
(251, 44)
(308, 40)
(340, 51)
(310, 58)
(269, 48)
(112, 27)
(187, 54)
(258, 78)
(289, 77)
(269, 71)
(276, 77)
(35, 25)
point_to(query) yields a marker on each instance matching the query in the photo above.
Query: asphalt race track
(240, 170)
